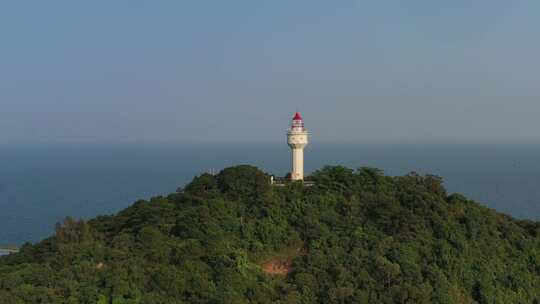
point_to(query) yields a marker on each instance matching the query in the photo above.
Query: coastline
(5, 250)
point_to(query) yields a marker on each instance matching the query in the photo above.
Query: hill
(354, 237)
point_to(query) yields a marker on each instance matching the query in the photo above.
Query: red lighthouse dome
(297, 122)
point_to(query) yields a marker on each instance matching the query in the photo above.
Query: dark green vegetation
(364, 238)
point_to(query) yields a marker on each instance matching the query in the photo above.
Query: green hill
(353, 237)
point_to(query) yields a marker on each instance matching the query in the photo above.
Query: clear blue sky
(75, 72)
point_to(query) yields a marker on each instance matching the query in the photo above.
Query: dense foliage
(365, 238)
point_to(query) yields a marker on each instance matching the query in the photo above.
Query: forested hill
(354, 237)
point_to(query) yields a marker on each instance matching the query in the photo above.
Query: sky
(114, 72)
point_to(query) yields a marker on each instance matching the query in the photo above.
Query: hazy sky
(107, 71)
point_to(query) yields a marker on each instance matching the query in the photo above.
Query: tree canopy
(361, 237)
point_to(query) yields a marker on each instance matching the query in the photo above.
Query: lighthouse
(297, 139)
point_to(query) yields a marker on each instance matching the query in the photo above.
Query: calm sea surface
(41, 186)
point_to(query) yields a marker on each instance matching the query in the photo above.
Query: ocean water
(41, 186)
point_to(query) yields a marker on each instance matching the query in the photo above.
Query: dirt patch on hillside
(277, 267)
(282, 263)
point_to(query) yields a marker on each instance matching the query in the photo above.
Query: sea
(40, 186)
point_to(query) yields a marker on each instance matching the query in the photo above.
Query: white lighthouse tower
(297, 139)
